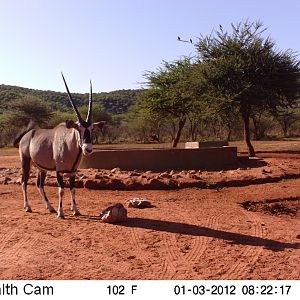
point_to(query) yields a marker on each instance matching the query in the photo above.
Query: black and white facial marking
(85, 131)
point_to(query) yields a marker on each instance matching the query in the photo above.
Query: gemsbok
(58, 149)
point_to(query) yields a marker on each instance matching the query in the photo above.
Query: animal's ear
(71, 124)
(99, 124)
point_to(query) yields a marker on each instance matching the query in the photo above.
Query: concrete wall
(208, 144)
(161, 159)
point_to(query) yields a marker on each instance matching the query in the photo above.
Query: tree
(262, 122)
(286, 118)
(244, 70)
(115, 129)
(142, 124)
(19, 113)
(59, 117)
(29, 108)
(172, 92)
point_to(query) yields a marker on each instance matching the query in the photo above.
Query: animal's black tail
(30, 126)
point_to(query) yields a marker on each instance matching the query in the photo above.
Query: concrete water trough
(161, 159)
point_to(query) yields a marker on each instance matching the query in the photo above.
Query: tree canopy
(244, 70)
(29, 108)
(173, 91)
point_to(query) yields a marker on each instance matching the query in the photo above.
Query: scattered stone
(134, 174)
(114, 214)
(115, 184)
(172, 184)
(138, 203)
(192, 172)
(79, 184)
(94, 184)
(193, 184)
(132, 184)
(165, 175)
(156, 184)
(115, 170)
(5, 180)
(195, 176)
(172, 172)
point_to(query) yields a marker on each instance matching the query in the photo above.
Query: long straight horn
(72, 102)
(89, 114)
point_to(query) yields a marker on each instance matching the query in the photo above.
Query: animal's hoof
(28, 209)
(76, 213)
(52, 210)
(61, 216)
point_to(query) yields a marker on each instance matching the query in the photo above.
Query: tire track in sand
(183, 261)
(178, 261)
(200, 242)
(17, 252)
(141, 253)
(134, 236)
(4, 239)
(173, 258)
(250, 254)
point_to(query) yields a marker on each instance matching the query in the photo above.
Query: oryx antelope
(58, 149)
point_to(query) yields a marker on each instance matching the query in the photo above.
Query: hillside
(115, 102)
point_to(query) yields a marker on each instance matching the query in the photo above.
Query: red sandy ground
(250, 232)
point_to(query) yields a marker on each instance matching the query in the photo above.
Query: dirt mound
(285, 206)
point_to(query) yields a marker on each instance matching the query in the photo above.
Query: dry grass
(283, 145)
(9, 151)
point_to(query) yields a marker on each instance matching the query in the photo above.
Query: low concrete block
(191, 145)
(161, 159)
(208, 144)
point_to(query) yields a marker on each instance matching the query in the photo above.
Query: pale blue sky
(113, 42)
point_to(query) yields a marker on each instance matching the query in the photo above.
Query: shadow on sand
(193, 230)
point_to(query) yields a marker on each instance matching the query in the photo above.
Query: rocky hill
(115, 102)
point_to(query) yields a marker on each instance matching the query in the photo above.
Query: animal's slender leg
(72, 190)
(60, 181)
(25, 176)
(40, 185)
